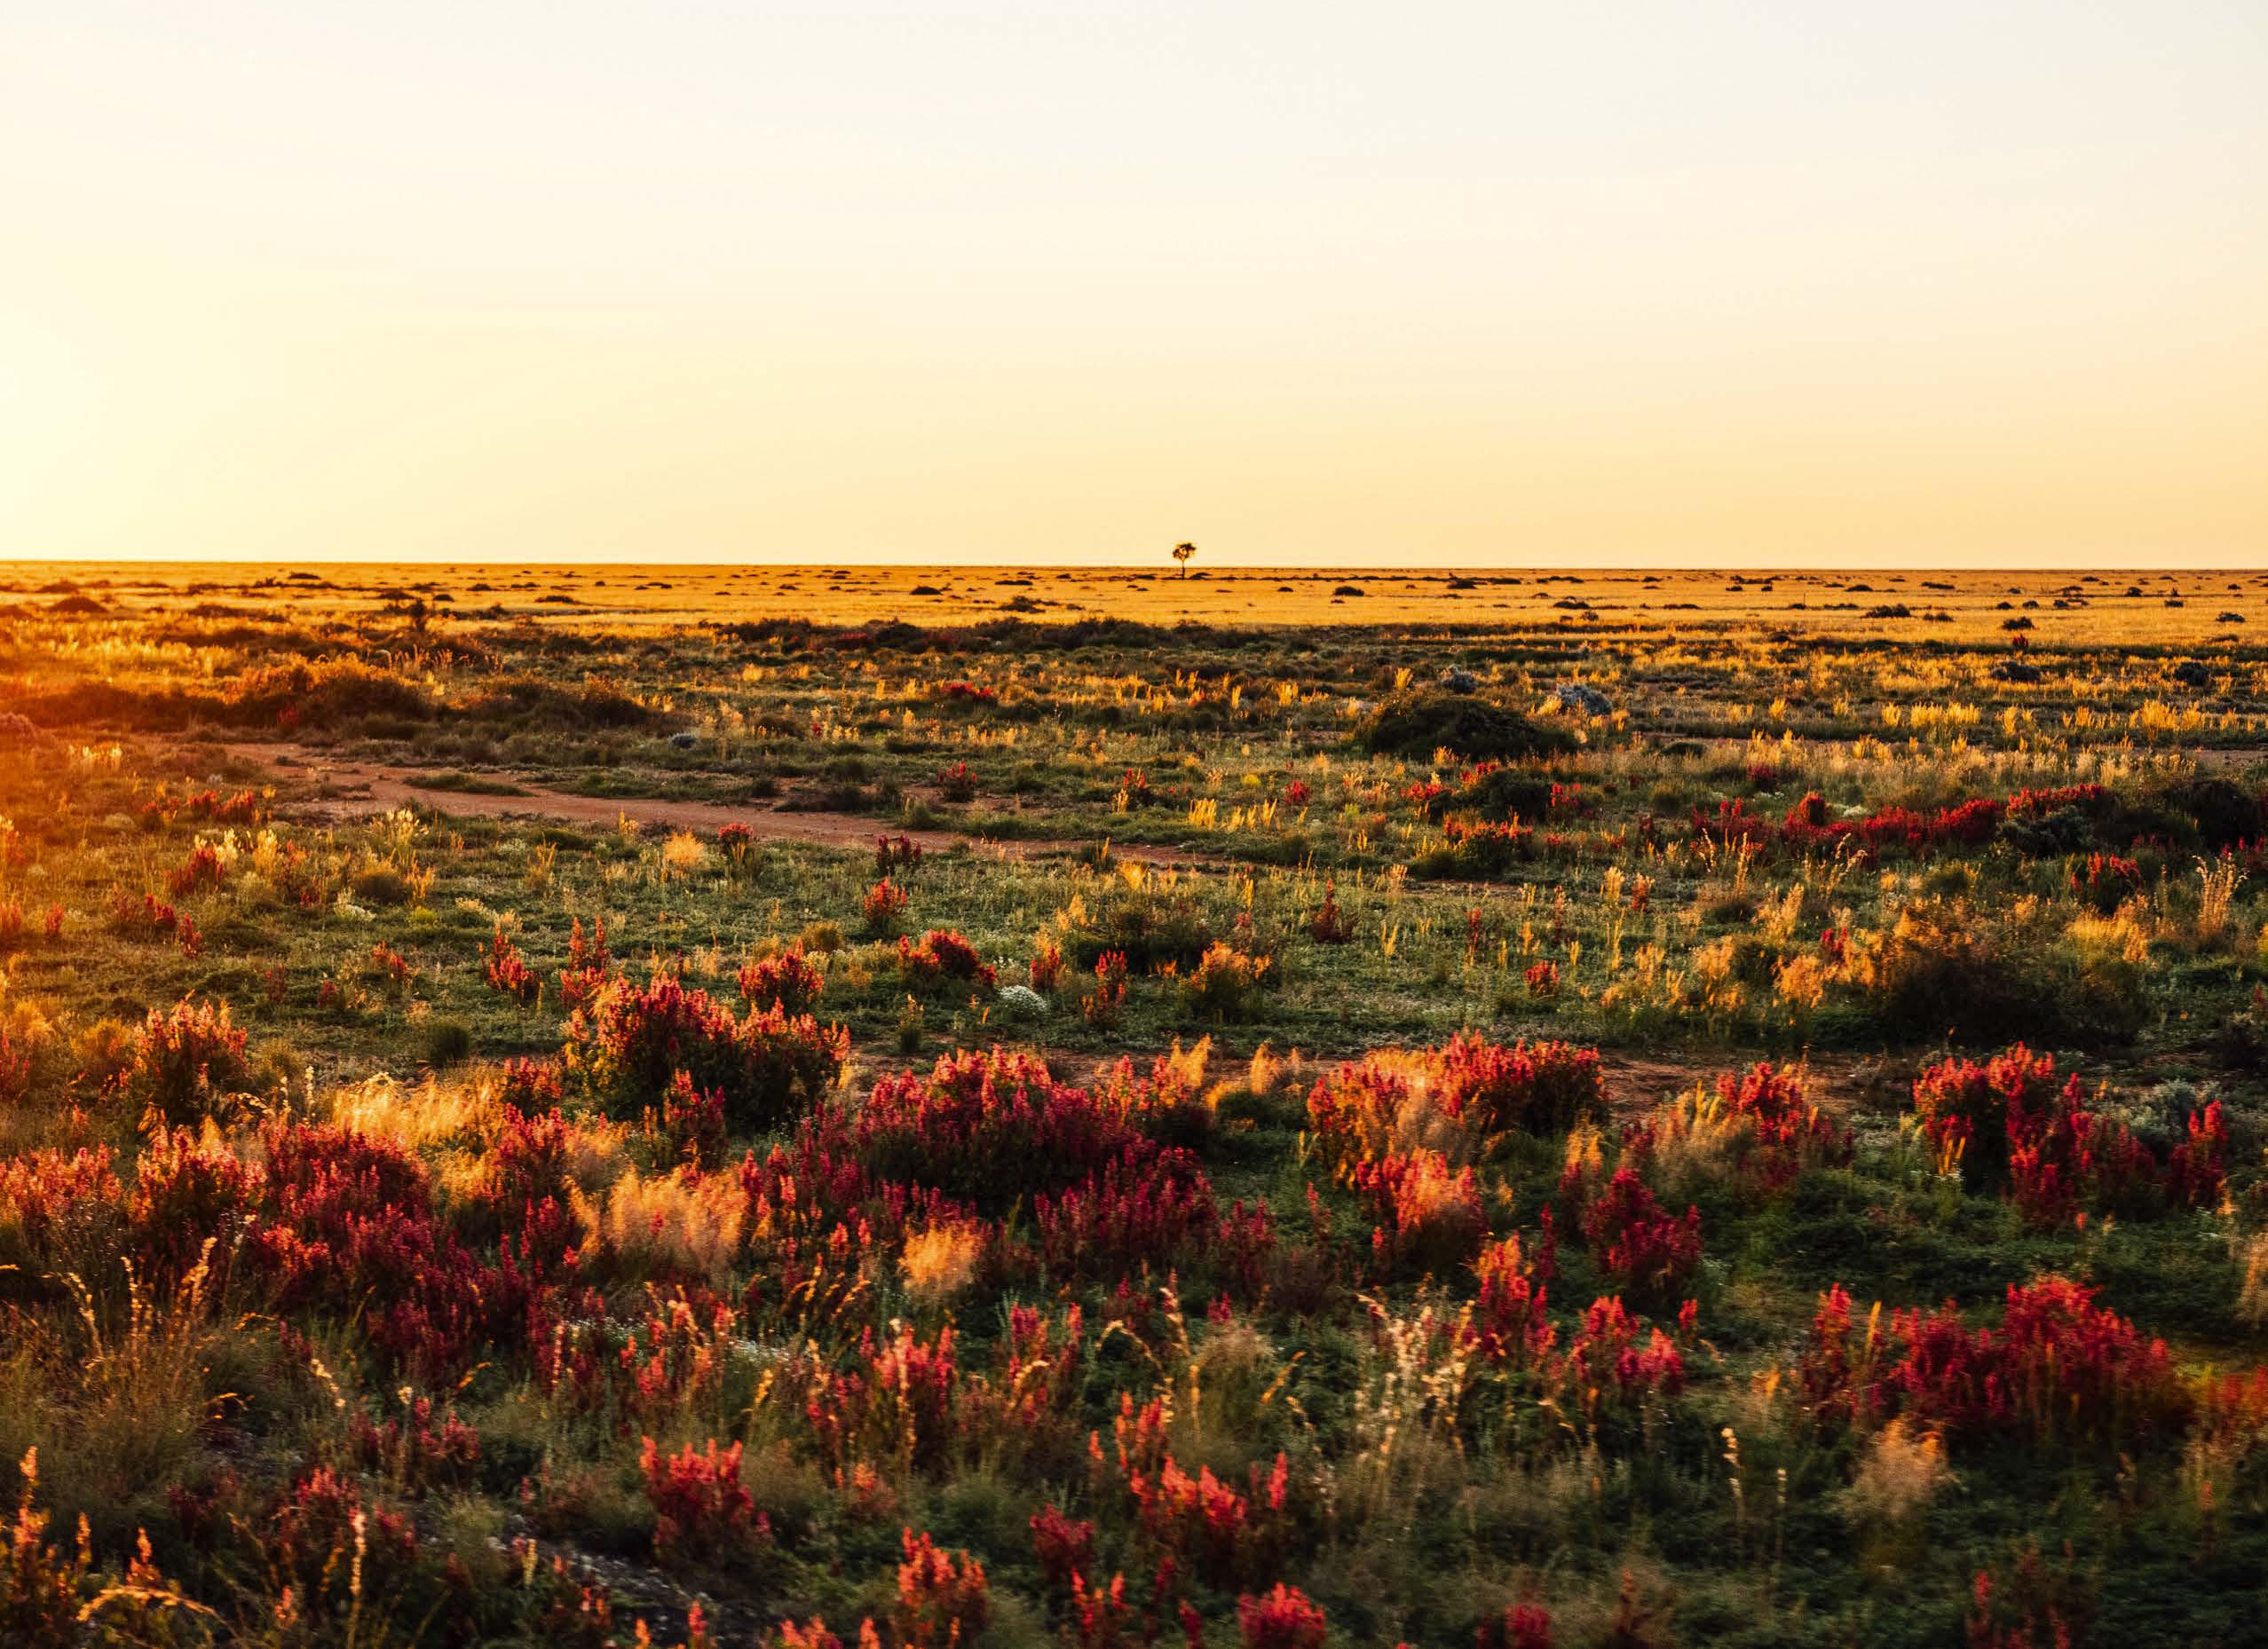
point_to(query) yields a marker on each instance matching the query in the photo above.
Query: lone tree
(1181, 553)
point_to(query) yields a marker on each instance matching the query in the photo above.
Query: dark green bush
(1417, 724)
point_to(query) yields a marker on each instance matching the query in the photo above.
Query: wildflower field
(806, 1108)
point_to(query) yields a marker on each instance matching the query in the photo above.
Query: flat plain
(989, 1106)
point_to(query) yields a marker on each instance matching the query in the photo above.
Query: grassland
(1009, 1106)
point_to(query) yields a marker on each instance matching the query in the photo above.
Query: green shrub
(1415, 725)
(447, 1042)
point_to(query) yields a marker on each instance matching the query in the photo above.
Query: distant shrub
(546, 705)
(379, 886)
(1945, 968)
(325, 693)
(1478, 729)
(1223, 986)
(447, 1042)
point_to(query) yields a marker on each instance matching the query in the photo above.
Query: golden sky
(1926, 284)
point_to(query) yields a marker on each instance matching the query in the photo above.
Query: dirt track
(355, 789)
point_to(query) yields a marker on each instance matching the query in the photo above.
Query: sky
(1682, 285)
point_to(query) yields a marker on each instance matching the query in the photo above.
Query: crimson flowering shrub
(784, 1055)
(1434, 1212)
(634, 1039)
(1632, 1238)
(1106, 1199)
(884, 907)
(1282, 1618)
(1790, 1132)
(243, 807)
(2197, 1169)
(789, 980)
(149, 914)
(333, 1550)
(2108, 881)
(898, 1400)
(1045, 971)
(1543, 979)
(630, 1044)
(1063, 1548)
(1328, 926)
(702, 1512)
(526, 1164)
(942, 1601)
(412, 1451)
(1606, 1364)
(391, 968)
(990, 1127)
(588, 963)
(2068, 1156)
(52, 1202)
(2058, 1365)
(348, 1218)
(1768, 1128)
(1523, 1626)
(692, 1120)
(957, 782)
(529, 1084)
(2007, 1124)
(1971, 823)
(184, 1060)
(1963, 1107)
(1540, 1087)
(1160, 1217)
(187, 1191)
(508, 972)
(896, 853)
(1204, 1525)
(1107, 999)
(201, 871)
(15, 1069)
(1507, 1324)
(942, 956)
(1426, 796)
